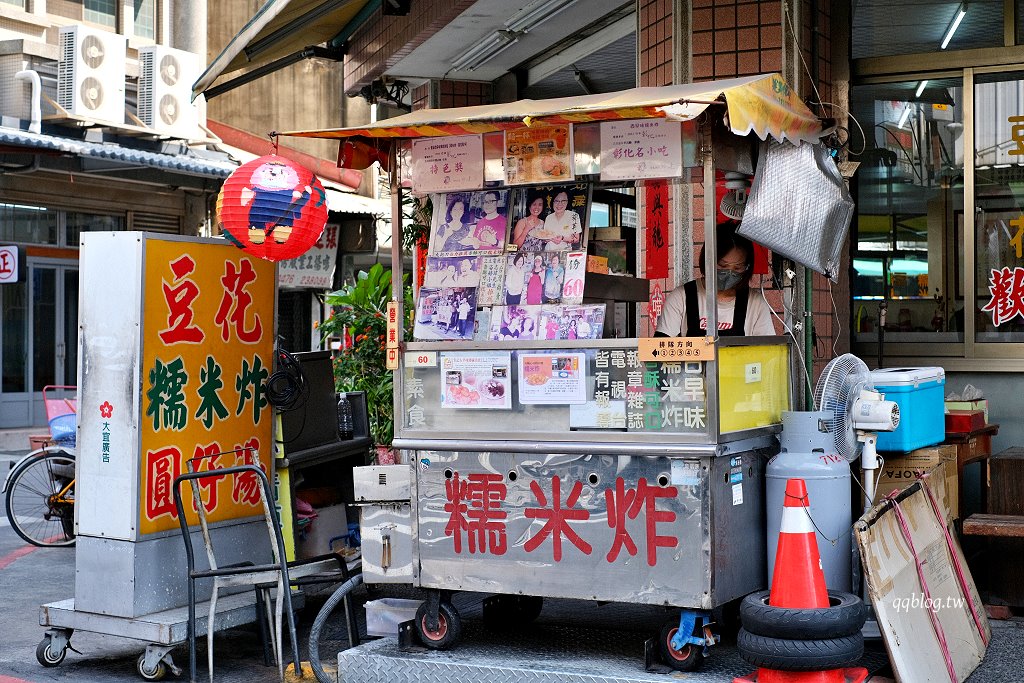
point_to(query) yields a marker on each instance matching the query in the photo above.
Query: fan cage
(838, 387)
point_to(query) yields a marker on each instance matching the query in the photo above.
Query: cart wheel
(157, 673)
(449, 627)
(529, 607)
(46, 656)
(686, 659)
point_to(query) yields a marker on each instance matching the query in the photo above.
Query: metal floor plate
(572, 642)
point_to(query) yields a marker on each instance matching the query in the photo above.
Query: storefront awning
(117, 156)
(283, 32)
(764, 105)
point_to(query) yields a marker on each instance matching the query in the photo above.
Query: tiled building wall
(726, 39)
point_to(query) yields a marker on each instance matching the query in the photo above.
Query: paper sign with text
(672, 349)
(640, 149)
(448, 163)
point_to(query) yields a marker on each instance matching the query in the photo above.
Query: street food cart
(622, 468)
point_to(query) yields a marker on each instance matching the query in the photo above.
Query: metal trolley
(650, 490)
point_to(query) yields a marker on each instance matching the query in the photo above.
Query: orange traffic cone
(799, 583)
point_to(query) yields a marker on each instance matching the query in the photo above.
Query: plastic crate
(384, 615)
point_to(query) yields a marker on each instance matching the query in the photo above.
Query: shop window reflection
(908, 188)
(999, 207)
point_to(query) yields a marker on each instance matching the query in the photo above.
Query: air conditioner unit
(90, 74)
(166, 76)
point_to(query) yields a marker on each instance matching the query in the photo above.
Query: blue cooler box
(919, 394)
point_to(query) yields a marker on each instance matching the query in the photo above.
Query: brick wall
(726, 39)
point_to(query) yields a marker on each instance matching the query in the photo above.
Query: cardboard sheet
(904, 607)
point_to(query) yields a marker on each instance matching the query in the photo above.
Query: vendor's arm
(670, 322)
(759, 316)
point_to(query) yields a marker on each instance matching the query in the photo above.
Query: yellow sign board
(208, 330)
(676, 349)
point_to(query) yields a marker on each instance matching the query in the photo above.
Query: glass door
(39, 324)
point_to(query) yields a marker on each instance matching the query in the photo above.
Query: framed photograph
(469, 223)
(446, 313)
(452, 271)
(550, 218)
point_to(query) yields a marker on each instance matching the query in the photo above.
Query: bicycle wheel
(35, 508)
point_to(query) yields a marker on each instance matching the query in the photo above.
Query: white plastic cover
(799, 206)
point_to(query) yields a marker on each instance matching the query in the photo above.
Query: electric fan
(858, 412)
(818, 447)
(735, 200)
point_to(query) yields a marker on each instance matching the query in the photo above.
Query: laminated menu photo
(476, 380)
(552, 378)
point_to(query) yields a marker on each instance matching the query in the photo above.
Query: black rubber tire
(687, 659)
(845, 616)
(449, 627)
(799, 655)
(45, 655)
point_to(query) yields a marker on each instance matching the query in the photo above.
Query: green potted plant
(358, 319)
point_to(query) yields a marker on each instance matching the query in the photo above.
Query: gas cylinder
(809, 453)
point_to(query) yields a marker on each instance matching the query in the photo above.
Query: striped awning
(764, 105)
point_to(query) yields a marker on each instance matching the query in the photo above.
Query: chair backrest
(252, 467)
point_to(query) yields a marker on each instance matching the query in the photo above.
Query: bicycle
(40, 488)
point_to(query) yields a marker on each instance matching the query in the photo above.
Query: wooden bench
(1005, 526)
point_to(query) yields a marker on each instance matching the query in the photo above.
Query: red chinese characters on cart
(477, 523)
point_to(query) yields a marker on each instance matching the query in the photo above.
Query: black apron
(693, 313)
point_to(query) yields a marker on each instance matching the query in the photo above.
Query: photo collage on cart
(507, 264)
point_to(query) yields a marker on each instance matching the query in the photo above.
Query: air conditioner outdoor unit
(166, 76)
(90, 74)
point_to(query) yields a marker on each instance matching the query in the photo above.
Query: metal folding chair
(262, 577)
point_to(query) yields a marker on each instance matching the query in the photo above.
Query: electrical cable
(796, 343)
(799, 50)
(835, 312)
(863, 135)
(286, 389)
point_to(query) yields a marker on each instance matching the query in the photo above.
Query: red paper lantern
(272, 208)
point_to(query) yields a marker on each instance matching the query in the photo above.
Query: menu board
(540, 154)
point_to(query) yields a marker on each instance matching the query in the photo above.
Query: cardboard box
(331, 521)
(980, 404)
(903, 610)
(597, 264)
(940, 461)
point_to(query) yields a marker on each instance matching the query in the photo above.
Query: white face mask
(728, 279)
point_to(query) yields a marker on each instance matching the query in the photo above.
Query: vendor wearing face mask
(740, 310)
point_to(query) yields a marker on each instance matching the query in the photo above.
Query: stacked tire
(786, 639)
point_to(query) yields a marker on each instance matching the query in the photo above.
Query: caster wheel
(686, 659)
(449, 627)
(46, 656)
(157, 673)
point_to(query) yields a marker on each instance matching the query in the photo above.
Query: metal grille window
(103, 12)
(145, 18)
(153, 222)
